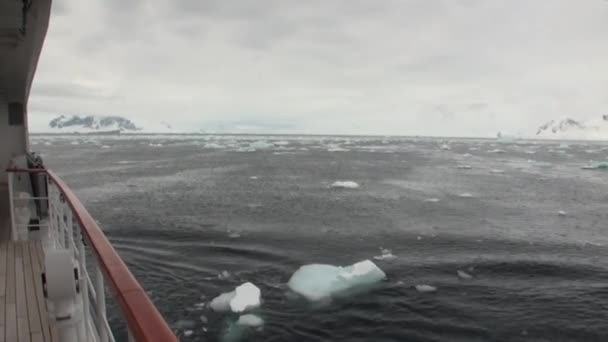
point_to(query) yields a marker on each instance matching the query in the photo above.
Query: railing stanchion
(100, 302)
(12, 206)
(84, 286)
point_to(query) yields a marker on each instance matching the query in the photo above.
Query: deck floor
(23, 313)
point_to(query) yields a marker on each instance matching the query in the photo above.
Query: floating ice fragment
(463, 275)
(465, 195)
(425, 288)
(386, 254)
(596, 166)
(467, 155)
(247, 296)
(250, 320)
(345, 185)
(497, 171)
(445, 147)
(317, 282)
(221, 303)
(188, 333)
(253, 177)
(223, 275)
(234, 235)
(432, 200)
(243, 298)
(204, 319)
(561, 213)
(496, 150)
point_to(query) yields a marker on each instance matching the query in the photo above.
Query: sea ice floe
(245, 297)
(386, 254)
(596, 166)
(465, 195)
(432, 200)
(561, 213)
(345, 185)
(250, 320)
(463, 275)
(317, 282)
(425, 288)
(464, 167)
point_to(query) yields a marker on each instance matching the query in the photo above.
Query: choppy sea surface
(195, 216)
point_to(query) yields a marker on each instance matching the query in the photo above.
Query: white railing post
(12, 206)
(131, 338)
(84, 286)
(100, 301)
(68, 236)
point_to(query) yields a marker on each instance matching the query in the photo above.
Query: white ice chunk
(250, 320)
(465, 195)
(188, 333)
(221, 303)
(445, 147)
(260, 145)
(497, 150)
(497, 171)
(247, 297)
(561, 213)
(432, 200)
(243, 298)
(463, 275)
(345, 185)
(387, 254)
(318, 281)
(425, 288)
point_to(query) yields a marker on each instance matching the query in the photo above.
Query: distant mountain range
(100, 124)
(93, 123)
(568, 128)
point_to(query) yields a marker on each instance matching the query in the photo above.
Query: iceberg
(345, 185)
(386, 254)
(243, 298)
(317, 282)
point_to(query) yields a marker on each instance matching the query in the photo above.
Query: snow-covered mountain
(568, 128)
(98, 124)
(92, 123)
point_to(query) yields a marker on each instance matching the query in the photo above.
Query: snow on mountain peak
(93, 123)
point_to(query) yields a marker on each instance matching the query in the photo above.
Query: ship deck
(23, 312)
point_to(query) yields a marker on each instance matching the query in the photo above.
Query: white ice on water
(317, 282)
(386, 254)
(465, 195)
(463, 275)
(425, 288)
(345, 185)
(250, 320)
(245, 297)
(432, 200)
(497, 171)
(561, 213)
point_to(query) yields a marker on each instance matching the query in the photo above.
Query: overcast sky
(422, 67)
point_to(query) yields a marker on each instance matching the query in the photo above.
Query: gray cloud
(461, 67)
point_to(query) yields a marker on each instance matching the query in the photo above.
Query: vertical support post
(61, 223)
(100, 302)
(131, 338)
(12, 206)
(84, 286)
(67, 241)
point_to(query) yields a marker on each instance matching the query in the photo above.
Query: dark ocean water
(181, 210)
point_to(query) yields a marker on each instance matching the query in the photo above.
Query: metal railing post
(100, 303)
(84, 286)
(12, 206)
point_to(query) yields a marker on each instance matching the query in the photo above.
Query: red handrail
(145, 323)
